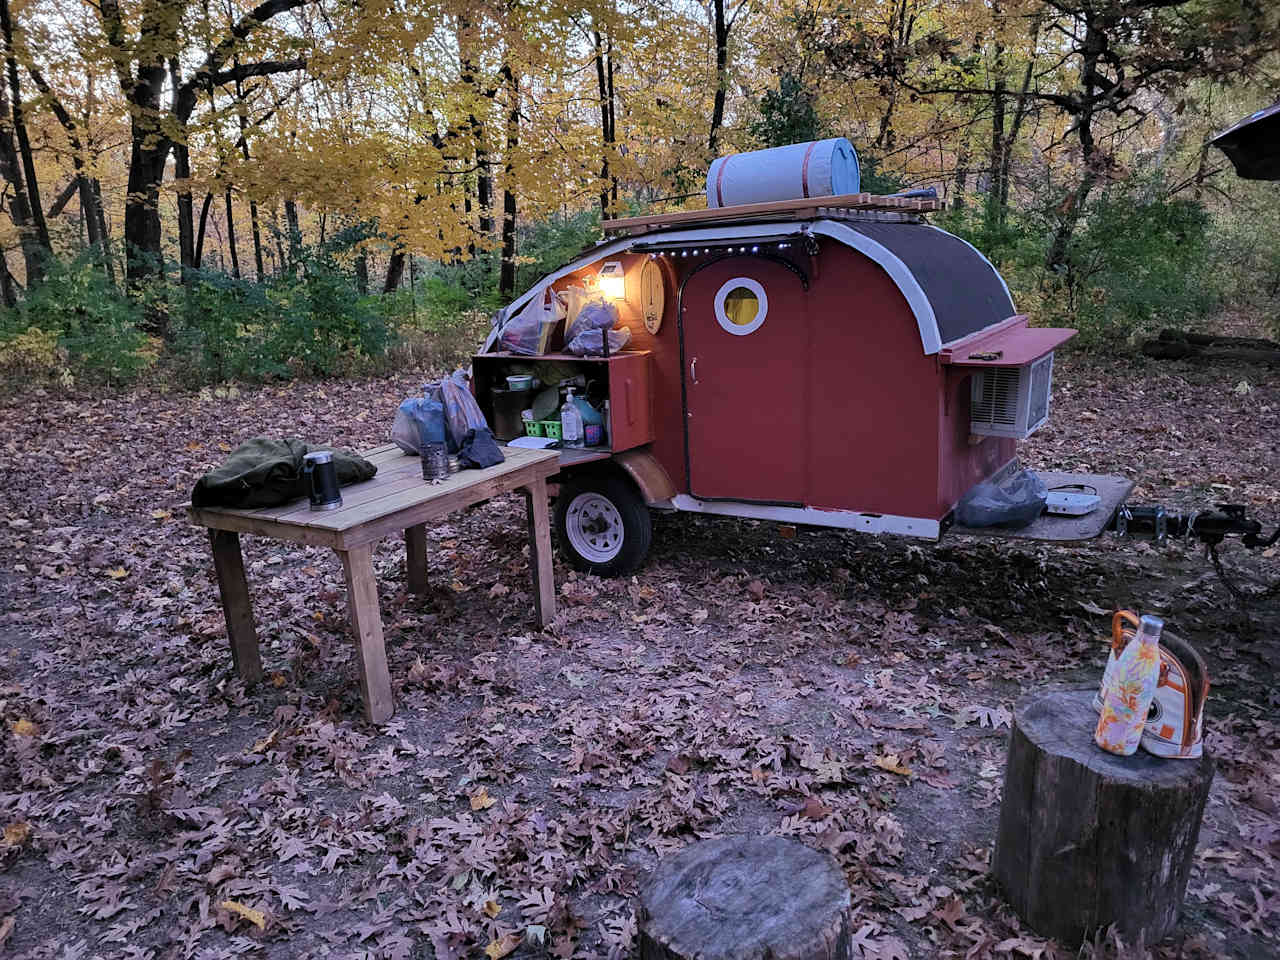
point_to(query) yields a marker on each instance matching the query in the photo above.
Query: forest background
(204, 190)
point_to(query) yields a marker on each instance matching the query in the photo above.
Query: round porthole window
(741, 306)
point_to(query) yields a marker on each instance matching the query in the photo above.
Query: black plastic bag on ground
(1013, 502)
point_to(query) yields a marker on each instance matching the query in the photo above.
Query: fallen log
(1184, 344)
(1174, 350)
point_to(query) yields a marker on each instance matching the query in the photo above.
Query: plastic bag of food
(590, 343)
(461, 412)
(529, 332)
(1013, 502)
(415, 415)
(574, 298)
(595, 314)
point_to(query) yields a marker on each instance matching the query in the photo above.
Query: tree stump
(1087, 838)
(746, 899)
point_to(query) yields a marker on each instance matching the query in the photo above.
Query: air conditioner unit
(1011, 401)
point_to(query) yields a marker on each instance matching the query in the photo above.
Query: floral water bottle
(1129, 685)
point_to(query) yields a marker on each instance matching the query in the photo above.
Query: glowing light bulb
(611, 280)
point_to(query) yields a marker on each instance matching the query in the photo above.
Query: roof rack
(846, 206)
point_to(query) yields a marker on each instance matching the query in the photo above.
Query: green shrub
(97, 329)
(1138, 261)
(221, 327)
(311, 321)
(323, 326)
(1136, 264)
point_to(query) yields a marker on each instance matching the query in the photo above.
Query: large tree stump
(746, 899)
(1087, 838)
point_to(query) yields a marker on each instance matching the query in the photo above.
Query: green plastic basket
(550, 429)
(532, 428)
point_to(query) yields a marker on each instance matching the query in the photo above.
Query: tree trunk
(746, 898)
(34, 251)
(100, 211)
(507, 273)
(186, 211)
(962, 175)
(484, 176)
(295, 230)
(8, 286)
(395, 272)
(20, 130)
(995, 161)
(275, 222)
(1088, 838)
(721, 28)
(141, 211)
(33, 255)
(362, 272)
(198, 257)
(231, 237)
(89, 208)
(1094, 46)
(606, 131)
(1019, 114)
(254, 225)
(613, 126)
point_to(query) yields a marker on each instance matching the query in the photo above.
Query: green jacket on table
(265, 472)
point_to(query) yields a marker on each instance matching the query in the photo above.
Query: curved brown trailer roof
(963, 287)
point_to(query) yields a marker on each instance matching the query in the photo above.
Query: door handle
(693, 369)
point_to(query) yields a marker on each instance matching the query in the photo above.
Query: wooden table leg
(236, 606)
(544, 585)
(415, 557)
(366, 621)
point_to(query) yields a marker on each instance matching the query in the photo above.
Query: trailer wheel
(602, 524)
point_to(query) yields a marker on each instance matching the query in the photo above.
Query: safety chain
(1242, 596)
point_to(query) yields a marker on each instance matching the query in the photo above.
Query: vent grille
(1041, 377)
(995, 401)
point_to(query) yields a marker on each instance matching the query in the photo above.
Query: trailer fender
(648, 475)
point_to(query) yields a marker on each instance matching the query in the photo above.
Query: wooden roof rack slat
(800, 209)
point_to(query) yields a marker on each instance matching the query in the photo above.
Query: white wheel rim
(594, 527)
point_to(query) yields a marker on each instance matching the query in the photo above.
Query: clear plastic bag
(595, 314)
(416, 415)
(529, 332)
(1014, 502)
(461, 412)
(591, 342)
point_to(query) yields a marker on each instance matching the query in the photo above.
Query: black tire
(596, 550)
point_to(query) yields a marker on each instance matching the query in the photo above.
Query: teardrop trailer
(831, 361)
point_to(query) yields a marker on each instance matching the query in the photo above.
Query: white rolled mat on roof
(820, 168)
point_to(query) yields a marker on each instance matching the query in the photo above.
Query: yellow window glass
(741, 306)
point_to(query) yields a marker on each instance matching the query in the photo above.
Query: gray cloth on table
(479, 449)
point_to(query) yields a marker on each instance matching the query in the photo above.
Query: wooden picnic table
(396, 499)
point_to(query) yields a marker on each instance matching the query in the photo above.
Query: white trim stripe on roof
(899, 272)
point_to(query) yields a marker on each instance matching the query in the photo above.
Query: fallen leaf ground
(851, 692)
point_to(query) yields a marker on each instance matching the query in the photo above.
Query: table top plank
(428, 510)
(383, 454)
(398, 488)
(517, 460)
(399, 474)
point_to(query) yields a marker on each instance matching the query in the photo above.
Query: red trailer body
(817, 367)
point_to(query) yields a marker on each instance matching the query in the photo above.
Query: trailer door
(745, 337)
